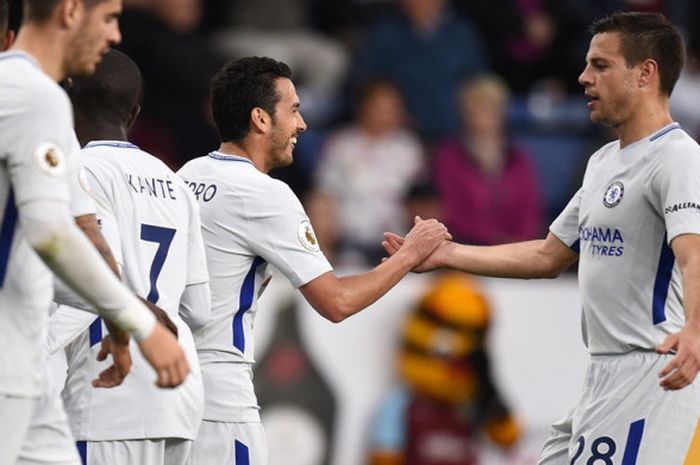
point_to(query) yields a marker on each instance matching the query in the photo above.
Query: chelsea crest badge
(613, 194)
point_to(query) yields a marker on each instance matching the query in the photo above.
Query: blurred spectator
(427, 51)
(529, 40)
(176, 63)
(280, 29)
(487, 184)
(446, 399)
(366, 168)
(686, 94)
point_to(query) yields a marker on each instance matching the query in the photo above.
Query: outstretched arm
(338, 298)
(545, 258)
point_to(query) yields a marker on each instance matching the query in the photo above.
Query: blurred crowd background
(471, 107)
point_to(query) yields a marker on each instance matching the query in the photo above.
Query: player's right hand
(430, 239)
(165, 355)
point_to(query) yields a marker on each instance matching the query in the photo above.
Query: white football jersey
(633, 202)
(36, 144)
(249, 222)
(150, 220)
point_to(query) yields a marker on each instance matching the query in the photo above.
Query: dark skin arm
(117, 342)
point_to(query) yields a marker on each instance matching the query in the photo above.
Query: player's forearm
(338, 298)
(690, 270)
(52, 233)
(525, 260)
(91, 228)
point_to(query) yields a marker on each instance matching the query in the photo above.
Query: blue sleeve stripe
(82, 451)
(576, 246)
(7, 232)
(634, 439)
(662, 282)
(242, 456)
(244, 304)
(96, 331)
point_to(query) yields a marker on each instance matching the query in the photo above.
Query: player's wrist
(136, 320)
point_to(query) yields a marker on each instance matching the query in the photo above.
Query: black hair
(40, 10)
(14, 20)
(110, 94)
(239, 87)
(4, 15)
(644, 36)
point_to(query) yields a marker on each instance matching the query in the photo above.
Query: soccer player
(251, 222)
(151, 222)
(36, 225)
(634, 226)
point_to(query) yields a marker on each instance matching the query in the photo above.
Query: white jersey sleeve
(37, 165)
(565, 226)
(675, 188)
(81, 202)
(280, 231)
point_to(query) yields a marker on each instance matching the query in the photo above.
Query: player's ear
(260, 120)
(8, 40)
(135, 112)
(648, 71)
(70, 13)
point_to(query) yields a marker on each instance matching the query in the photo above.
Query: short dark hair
(40, 10)
(647, 35)
(14, 21)
(4, 15)
(241, 85)
(111, 93)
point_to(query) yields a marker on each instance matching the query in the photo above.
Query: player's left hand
(685, 365)
(121, 357)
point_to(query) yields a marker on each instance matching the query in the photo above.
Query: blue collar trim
(117, 144)
(226, 157)
(664, 131)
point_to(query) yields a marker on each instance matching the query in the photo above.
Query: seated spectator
(366, 168)
(487, 185)
(446, 399)
(426, 51)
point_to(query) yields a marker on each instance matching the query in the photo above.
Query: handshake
(427, 245)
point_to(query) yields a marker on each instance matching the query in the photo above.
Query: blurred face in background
(483, 105)
(182, 16)
(381, 110)
(98, 30)
(423, 13)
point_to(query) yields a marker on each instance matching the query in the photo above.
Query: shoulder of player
(676, 147)
(44, 97)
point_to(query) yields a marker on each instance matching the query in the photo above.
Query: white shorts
(49, 439)
(624, 417)
(167, 451)
(223, 443)
(15, 416)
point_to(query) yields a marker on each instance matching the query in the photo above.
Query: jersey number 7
(163, 237)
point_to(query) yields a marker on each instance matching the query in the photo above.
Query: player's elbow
(336, 308)
(335, 313)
